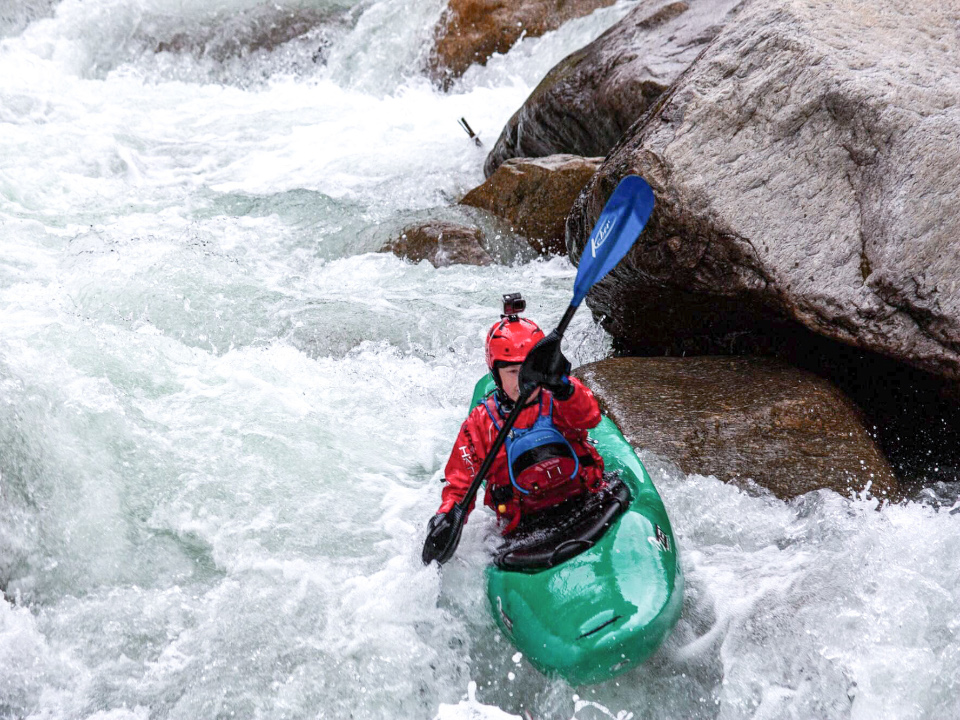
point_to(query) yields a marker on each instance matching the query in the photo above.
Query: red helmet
(510, 339)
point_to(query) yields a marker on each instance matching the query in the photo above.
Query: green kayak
(598, 592)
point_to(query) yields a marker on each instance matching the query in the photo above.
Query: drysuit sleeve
(462, 466)
(578, 412)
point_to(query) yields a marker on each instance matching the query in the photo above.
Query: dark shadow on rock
(913, 416)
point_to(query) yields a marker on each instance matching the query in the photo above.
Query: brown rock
(470, 31)
(743, 418)
(535, 196)
(442, 243)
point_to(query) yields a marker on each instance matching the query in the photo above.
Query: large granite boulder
(806, 169)
(470, 31)
(535, 196)
(743, 418)
(441, 243)
(587, 101)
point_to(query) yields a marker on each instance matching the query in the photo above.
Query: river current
(224, 416)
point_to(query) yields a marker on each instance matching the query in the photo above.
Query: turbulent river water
(224, 416)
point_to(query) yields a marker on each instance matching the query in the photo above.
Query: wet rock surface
(587, 101)
(743, 418)
(441, 243)
(535, 196)
(470, 31)
(805, 169)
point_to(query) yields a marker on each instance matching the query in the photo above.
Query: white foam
(224, 418)
(470, 709)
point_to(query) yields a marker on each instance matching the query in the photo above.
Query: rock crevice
(593, 96)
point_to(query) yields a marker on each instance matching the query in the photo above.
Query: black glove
(547, 367)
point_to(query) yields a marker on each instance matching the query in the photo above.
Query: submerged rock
(806, 170)
(535, 196)
(15, 16)
(221, 35)
(587, 101)
(743, 418)
(470, 31)
(441, 243)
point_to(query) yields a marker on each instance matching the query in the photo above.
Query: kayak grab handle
(600, 627)
(568, 549)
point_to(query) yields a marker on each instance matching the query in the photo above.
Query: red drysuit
(572, 417)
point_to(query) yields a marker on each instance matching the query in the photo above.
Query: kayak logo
(601, 237)
(661, 541)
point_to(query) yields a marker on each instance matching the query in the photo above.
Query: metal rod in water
(469, 130)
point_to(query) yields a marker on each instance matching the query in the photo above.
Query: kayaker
(548, 457)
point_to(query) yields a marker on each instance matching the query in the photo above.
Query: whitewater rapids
(224, 416)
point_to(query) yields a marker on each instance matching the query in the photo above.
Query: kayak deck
(556, 535)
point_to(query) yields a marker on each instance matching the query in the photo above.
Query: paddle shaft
(501, 438)
(565, 320)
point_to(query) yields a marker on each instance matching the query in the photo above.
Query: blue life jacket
(539, 448)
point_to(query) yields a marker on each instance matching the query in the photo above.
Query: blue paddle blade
(617, 228)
